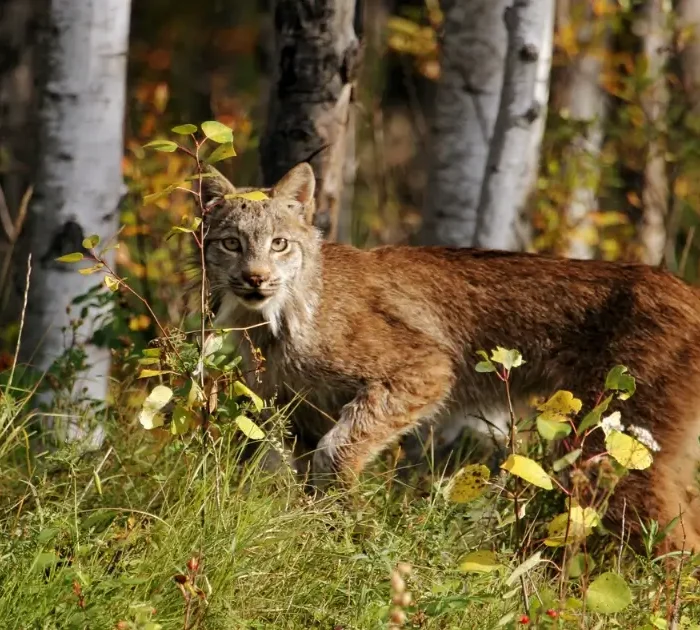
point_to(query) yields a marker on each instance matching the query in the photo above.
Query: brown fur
(380, 340)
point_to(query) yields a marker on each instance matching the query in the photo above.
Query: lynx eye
(231, 244)
(279, 244)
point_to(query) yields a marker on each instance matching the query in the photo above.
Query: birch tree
(583, 98)
(317, 57)
(473, 49)
(513, 159)
(654, 30)
(78, 180)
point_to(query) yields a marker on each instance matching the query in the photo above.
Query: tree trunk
(78, 182)
(582, 95)
(515, 146)
(317, 51)
(473, 48)
(655, 41)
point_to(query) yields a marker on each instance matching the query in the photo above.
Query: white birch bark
(655, 35)
(473, 49)
(514, 151)
(79, 181)
(585, 100)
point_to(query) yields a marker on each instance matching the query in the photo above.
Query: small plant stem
(21, 323)
(516, 505)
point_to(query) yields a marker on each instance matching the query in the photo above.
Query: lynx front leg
(373, 420)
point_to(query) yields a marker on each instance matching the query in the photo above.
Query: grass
(104, 539)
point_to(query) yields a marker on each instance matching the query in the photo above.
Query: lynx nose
(255, 278)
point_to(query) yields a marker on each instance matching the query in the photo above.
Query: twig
(676, 610)
(21, 323)
(97, 472)
(622, 538)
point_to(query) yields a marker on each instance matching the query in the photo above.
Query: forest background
(567, 127)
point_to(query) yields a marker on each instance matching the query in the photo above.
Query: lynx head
(261, 250)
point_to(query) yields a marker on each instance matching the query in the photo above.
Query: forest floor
(154, 532)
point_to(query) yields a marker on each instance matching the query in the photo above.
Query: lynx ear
(299, 183)
(215, 187)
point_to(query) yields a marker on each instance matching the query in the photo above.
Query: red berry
(524, 619)
(193, 564)
(552, 613)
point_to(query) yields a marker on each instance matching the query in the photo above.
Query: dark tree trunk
(19, 27)
(317, 57)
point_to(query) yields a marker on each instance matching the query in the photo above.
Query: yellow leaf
(628, 452)
(580, 525)
(479, 562)
(150, 373)
(157, 399)
(507, 358)
(112, 283)
(253, 195)
(529, 470)
(560, 406)
(681, 187)
(241, 389)
(249, 428)
(467, 484)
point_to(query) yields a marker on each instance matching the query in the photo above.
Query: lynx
(377, 341)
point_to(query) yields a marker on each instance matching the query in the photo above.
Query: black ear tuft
(214, 187)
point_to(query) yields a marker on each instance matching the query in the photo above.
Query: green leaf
(70, 258)
(112, 283)
(524, 567)
(157, 399)
(165, 146)
(627, 451)
(218, 132)
(592, 418)
(196, 222)
(158, 195)
(467, 484)
(98, 482)
(566, 460)
(184, 130)
(249, 428)
(149, 361)
(560, 406)
(479, 562)
(240, 389)
(181, 422)
(580, 564)
(552, 429)
(88, 270)
(91, 241)
(529, 470)
(222, 152)
(45, 560)
(608, 594)
(619, 380)
(509, 359)
(47, 535)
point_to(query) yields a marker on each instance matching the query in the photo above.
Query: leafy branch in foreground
(568, 464)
